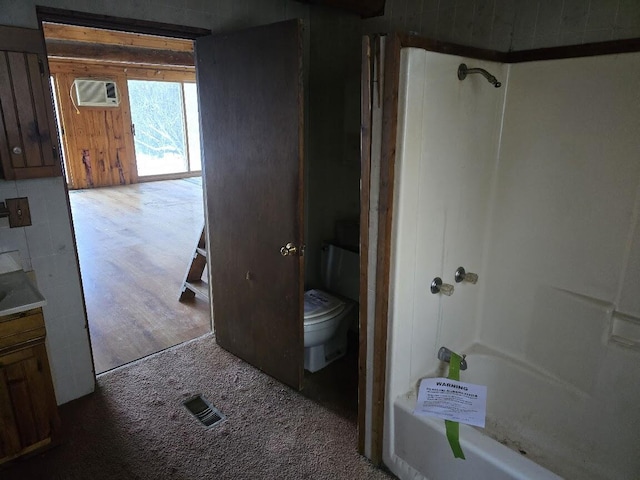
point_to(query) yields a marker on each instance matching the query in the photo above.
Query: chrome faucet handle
(464, 276)
(438, 287)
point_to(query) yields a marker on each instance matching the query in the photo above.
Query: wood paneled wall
(98, 142)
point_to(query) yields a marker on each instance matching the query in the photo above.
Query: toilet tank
(340, 271)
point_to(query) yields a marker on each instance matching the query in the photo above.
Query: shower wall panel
(565, 208)
(562, 280)
(447, 151)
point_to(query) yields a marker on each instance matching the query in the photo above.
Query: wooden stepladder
(193, 283)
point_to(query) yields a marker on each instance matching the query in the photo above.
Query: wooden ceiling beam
(117, 53)
(57, 31)
(92, 69)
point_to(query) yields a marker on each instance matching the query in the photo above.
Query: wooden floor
(135, 243)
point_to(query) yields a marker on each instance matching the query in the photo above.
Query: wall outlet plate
(19, 214)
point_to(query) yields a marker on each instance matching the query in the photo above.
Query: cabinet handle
(17, 150)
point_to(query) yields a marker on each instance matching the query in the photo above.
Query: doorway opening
(130, 139)
(284, 137)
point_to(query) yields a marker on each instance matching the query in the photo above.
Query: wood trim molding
(76, 33)
(575, 51)
(393, 46)
(85, 19)
(365, 189)
(138, 72)
(407, 40)
(553, 53)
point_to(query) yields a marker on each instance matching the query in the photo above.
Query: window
(166, 128)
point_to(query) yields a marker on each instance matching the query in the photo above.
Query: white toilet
(328, 314)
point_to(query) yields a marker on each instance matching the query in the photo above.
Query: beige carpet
(135, 427)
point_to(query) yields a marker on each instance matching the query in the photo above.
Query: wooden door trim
(365, 192)
(72, 17)
(390, 90)
(85, 19)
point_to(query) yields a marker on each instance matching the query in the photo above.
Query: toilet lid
(320, 306)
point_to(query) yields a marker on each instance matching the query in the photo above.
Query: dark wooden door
(251, 108)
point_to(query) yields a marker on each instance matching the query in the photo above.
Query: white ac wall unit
(96, 93)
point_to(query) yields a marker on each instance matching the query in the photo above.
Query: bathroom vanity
(28, 410)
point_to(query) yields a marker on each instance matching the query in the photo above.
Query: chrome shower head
(463, 71)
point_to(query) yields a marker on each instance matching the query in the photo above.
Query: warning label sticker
(452, 400)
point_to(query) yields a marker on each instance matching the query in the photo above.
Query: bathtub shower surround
(452, 400)
(536, 185)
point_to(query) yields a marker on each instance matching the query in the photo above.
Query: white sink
(17, 292)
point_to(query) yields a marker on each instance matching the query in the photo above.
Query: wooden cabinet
(28, 411)
(28, 135)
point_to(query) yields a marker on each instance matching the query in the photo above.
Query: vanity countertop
(17, 292)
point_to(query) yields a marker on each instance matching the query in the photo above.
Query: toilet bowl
(328, 314)
(326, 322)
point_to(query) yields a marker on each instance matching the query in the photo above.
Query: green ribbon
(453, 428)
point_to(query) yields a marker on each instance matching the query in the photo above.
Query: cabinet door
(28, 135)
(9, 436)
(28, 414)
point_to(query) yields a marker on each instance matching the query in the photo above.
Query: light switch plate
(19, 214)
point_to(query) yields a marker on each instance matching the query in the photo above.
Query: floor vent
(203, 411)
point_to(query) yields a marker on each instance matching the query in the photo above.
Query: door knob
(288, 249)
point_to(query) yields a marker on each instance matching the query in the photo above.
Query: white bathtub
(537, 428)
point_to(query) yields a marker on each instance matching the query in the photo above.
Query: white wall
(47, 247)
(447, 150)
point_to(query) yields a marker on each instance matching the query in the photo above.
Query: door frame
(83, 19)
